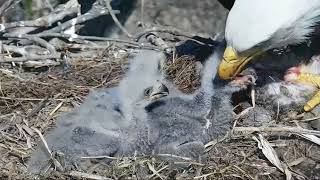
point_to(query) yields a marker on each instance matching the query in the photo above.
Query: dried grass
(183, 72)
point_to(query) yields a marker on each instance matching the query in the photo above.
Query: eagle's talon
(312, 103)
(295, 74)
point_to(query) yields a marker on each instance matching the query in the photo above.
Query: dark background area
(203, 16)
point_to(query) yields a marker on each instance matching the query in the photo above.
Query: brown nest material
(74, 82)
(184, 72)
(34, 100)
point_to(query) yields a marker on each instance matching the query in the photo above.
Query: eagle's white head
(255, 26)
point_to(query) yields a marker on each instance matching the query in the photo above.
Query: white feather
(271, 23)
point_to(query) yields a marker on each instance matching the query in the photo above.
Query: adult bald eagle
(255, 26)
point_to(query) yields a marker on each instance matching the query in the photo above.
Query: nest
(33, 100)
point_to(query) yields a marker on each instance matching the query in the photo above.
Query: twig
(297, 161)
(55, 162)
(29, 99)
(307, 120)
(54, 110)
(38, 107)
(43, 141)
(276, 129)
(44, 21)
(68, 9)
(19, 50)
(23, 59)
(87, 176)
(174, 156)
(244, 112)
(172, 31)
(36, 39)
(91, 54)
(157, 41)
(13, 149)
(95, 38)
(49, 5)
(205, 175)
(142, 13)
(189, 163)
(155, 172)
(253, 96)
(96, 11)
(100, 157)
(7, 5)
(115, 19)
(244, 172)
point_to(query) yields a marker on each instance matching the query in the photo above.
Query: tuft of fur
(143, 73)
(179, 122)
(91, 129)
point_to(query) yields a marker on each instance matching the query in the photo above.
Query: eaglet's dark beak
(156, 91)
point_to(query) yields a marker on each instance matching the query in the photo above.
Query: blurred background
(197, 16)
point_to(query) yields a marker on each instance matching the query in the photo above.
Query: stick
(115, 19)
(172, 31)
(96, 11)
(87, 176)
(91, 38)
(157, 41)
(37, 40)
(33, 57)
(7, 5)
(276, 129)
(68, 9)
(44, 21)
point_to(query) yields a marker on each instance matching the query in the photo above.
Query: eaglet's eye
(147, 91)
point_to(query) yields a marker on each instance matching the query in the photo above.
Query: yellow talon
(314, 80)
(314, 101)
(310, 79)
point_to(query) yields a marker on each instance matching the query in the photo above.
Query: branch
(30, 58)
(37, 40)
(7, 5)
(172, 31)
(115, 19)
(92, 38)
(68, 9)
(25, 50)
(157, 41)
(9, 48)
(287, 129)
(94, 12)
(44, 21)
(81, 175)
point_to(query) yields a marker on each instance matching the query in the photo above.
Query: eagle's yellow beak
(232, 64)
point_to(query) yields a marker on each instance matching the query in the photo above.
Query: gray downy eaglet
(145, 114)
